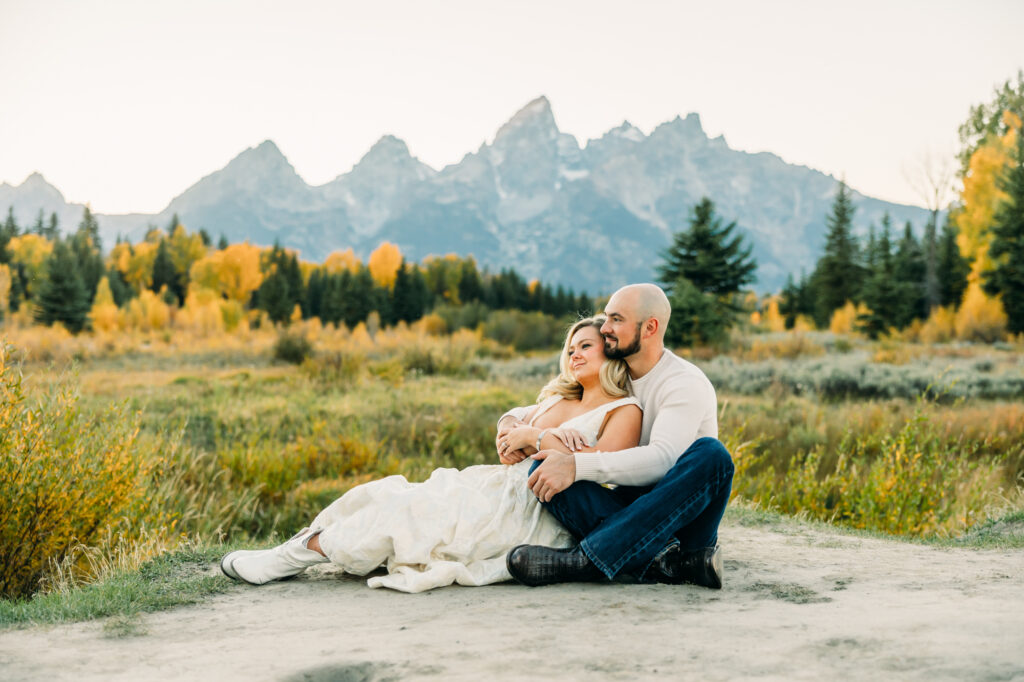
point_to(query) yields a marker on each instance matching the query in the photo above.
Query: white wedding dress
(455, 527)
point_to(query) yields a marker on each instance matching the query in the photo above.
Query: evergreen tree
(838, 275)
(40, 226)
(205, 236)
(910, 271)
(470, 285)
(52, 229)
(358, 302)
(709, 255)
(952, 268)
(8, 231)
(85, 245)
(1006, 276)
(222, 243)
(696, 317)
(315, 295)
(332, 301)
(62, 296)
(173, 224)
(164, 274)
(274, 297)
(931, 264)
(410, 294)
(882, 296)
(120, 290)
(705, 260)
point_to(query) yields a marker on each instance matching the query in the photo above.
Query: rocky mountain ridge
(592, 217)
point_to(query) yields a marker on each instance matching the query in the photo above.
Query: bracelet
(540, 438)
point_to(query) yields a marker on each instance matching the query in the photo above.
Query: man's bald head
(642, 302)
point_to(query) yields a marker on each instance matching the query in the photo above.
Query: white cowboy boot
(262, 566)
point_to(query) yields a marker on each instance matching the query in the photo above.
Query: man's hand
(505, 454)
(556, 473)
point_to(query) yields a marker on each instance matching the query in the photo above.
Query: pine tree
(931, 264)
(222, 243)
(86, 247)
(1006, 276)
(881, 294)
(709, 255)
(8, 231)
(952, 268)
(52, 229)
(62, 296)
(274, 297)
(164, 274)
(910, 269)
(120, 290)
(838, 275)
(205, 236)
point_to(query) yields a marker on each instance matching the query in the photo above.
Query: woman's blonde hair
(614, 374)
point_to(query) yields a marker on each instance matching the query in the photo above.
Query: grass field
(227, 445)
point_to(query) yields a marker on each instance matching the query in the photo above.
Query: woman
(458, 526)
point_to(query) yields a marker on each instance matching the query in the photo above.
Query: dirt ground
(800, 603)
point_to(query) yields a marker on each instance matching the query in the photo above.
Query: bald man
(660, 521)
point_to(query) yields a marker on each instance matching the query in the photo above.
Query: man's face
(621, 331)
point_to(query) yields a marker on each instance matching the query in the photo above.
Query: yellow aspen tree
(233, 272)
(384, 263)
(981, 195)
(338, 261)
(5, 288)
(104, 315)
(31, 251)
(139, 271)
(979, 317)
(184, 249)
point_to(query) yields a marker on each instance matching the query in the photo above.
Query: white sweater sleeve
(681, 411)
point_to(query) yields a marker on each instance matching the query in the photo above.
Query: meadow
(135, 444)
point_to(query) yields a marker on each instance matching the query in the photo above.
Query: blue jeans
(622, 529)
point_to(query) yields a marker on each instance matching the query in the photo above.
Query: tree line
(62, 278)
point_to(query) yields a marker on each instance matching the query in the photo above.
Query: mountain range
(591, 217)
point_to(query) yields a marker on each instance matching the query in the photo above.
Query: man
(660, 524)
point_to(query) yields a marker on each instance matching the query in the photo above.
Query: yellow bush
(105, 316)
(980, 318)
(940, 326)
(844, 320)
(148, 312)
(201, 313)
(65, 478)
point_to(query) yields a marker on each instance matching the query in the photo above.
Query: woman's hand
(571, 438)
(507, 454)
(522, 436)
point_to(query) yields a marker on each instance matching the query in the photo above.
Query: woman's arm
(621, 430)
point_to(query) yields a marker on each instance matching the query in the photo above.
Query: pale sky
(124, 104)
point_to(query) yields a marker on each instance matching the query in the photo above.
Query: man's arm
(681, 413)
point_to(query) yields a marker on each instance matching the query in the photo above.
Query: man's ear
(651, 327)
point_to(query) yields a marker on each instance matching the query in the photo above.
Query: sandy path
(799, 603)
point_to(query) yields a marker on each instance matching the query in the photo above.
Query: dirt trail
(799, 603)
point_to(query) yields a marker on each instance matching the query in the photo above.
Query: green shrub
(292, 347)
(525, 331)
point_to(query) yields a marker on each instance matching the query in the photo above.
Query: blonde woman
(459, 525)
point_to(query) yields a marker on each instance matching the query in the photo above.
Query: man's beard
(619, 353)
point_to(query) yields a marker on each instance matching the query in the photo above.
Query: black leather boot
(674, 566)
(535, 565)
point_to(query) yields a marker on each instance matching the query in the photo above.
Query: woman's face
(586, 353)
